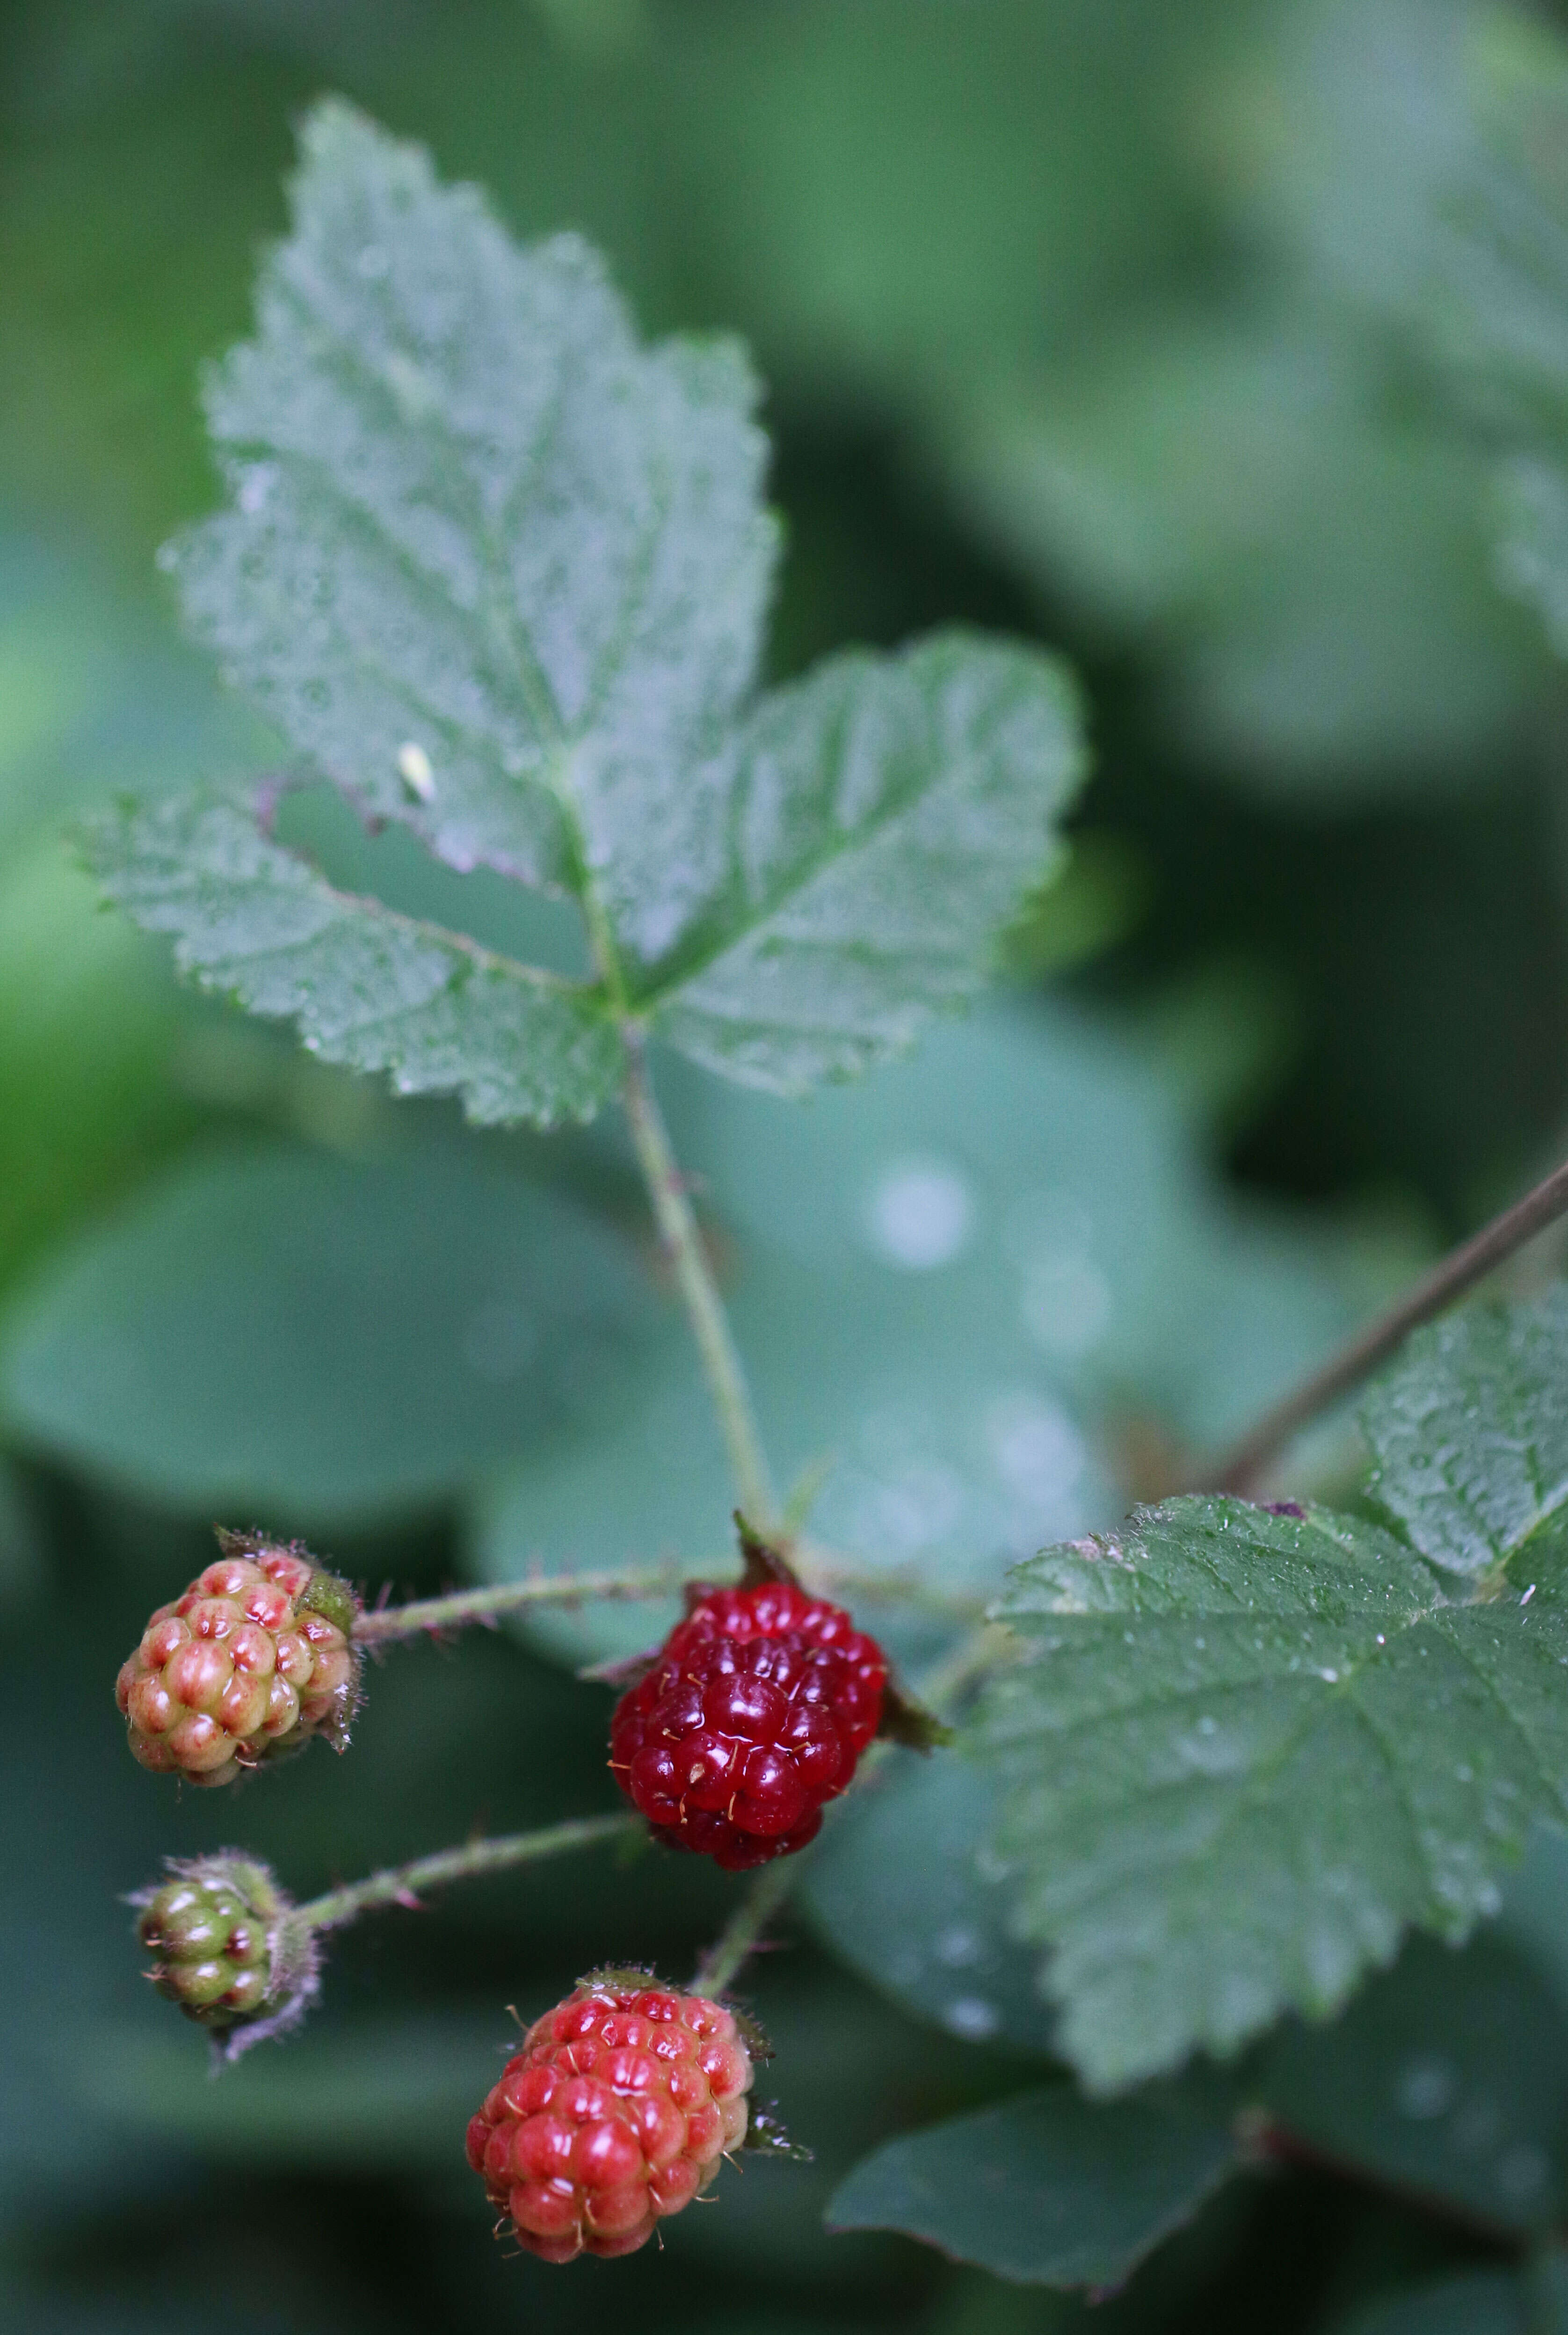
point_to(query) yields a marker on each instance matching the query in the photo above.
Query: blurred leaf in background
(1138, 331)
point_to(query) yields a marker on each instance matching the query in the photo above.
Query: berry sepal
(762, 1560)
(228, 1952)
(766, 2135)
(905, 1720)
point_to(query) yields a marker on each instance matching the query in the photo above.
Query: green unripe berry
(226, 1949)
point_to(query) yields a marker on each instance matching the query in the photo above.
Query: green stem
(387, 1624)
(463, 1605)
(742, 1931)
(398, 1883)
(704, 1306)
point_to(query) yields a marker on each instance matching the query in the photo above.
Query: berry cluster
(614, 2113)
(255, 1659)
(754, 1714)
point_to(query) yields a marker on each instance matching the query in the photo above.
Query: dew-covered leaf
(1050, 2189)
(365, 988)
(1470, 1431)
(299, 1334)
(1251, 1750)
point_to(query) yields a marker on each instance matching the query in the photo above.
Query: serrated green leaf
(498, 572)
(470, 514)
(1470, 1432)
(885, 818)
(1252, 1750)
(1050, 2188)
(365, 988)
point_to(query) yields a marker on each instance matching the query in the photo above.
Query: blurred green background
(1099, 321)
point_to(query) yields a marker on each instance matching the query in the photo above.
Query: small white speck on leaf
(414, 770)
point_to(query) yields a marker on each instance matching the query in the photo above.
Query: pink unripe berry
(255, 1658)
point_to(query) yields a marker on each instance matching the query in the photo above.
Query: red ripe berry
(755, 1713)
(255, 1658)
(613, 2114)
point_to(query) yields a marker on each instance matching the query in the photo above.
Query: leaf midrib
(685, 972)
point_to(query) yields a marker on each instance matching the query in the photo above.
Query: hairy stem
(704, 1306)
(386, 1624)
(398, 1883)
(743, 1929)
(464, 1605)
(1239, 1468)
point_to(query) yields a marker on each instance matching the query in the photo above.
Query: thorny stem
(743, 1929)
(704, 1306)
(384, 1626)
(1239, 1468)
(462, 1605)
(401, 1883)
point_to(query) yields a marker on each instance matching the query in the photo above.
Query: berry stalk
(398, 1884)
(1238, 1470)
(388, 1623)
(463, 1605)
(743, 1931)
(699, 1292)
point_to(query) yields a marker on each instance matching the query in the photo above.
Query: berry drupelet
(614, 2115)
(255, 1658)
(755, 1713)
